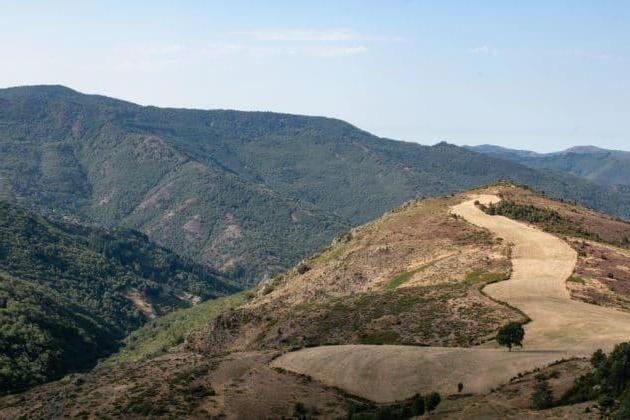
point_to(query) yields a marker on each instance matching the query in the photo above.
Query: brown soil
(179, 385)
(411, 277)
(602, 275)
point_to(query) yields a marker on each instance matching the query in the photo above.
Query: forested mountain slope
(609, 167)
(69, 294)
(247, 193)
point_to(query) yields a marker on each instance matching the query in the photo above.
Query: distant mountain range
(246, 193)
(603, 166)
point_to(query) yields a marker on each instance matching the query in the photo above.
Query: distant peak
(584, 149)
(444, 144)
(48, 90)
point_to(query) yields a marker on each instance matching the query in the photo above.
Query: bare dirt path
(560, 328)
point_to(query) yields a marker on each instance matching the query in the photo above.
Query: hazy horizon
(534, 76)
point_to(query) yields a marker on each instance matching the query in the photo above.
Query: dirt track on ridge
(560, 328)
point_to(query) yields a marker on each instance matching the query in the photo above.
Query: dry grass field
(560, 327)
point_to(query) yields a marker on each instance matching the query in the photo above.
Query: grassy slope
(163, 333)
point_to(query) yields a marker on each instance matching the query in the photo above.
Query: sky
(537, 75)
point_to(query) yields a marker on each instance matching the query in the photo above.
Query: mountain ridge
(247, 193)
(604, 166)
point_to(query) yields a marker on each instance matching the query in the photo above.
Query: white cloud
(309, 35)
(224, 49)
(259, 43)
(483, 50)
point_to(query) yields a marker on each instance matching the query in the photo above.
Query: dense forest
(247, 193)
(70, 293)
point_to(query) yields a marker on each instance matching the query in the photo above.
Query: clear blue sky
(541, 75)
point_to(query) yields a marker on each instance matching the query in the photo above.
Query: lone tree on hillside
(511, 335)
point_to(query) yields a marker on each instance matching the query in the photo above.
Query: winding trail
(560, 328)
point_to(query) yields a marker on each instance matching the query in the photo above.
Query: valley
(409, 303)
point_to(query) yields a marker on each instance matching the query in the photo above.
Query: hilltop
(249, 194)
(421, 275)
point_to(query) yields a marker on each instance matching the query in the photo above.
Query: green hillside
(69, 293)
(246, 193)
(161, 334)
(608, 167)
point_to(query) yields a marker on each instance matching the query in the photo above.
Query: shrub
(605, 402)
(417, 406)
(543, 396)
(431, 401)
(303, 268)
(300, 410)
(598, 358)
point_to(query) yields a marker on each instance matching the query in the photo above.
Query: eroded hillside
(406, 278)
(413, 277)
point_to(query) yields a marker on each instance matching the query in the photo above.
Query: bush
(624, 408)
(300, 410)
(417, 406)
(303, 268)
(431, 401)
(543, 396)
(605, 402)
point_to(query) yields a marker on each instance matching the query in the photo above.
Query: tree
(431, 401)
(460, 387)
(511, 335)
(417, 407)
(616, 370)
(300, 410)
(543, 396)
(598, 359)
(624, 409)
